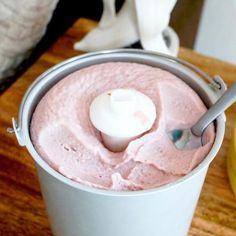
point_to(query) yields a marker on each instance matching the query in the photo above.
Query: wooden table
(22, 211)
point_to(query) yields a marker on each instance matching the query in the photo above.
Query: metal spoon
(181, 137)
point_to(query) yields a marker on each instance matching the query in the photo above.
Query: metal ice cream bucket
(78, 210)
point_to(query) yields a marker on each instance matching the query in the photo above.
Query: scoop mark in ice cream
(64, 137)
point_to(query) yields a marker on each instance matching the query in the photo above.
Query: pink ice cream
(65, 138)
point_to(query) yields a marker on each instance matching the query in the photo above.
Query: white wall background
(217, 30)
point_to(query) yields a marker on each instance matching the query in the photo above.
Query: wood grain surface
(22, 211)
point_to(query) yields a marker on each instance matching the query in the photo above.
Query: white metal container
(78, 210)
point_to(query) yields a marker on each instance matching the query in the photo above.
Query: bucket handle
(16, 130)
(217, 84)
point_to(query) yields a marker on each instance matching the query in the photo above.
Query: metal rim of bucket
(213, 89)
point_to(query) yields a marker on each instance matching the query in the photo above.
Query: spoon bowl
(191, 138)
(185, 139)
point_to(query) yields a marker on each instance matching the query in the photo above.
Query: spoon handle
(227, 99)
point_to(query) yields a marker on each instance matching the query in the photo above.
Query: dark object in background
(184, 20)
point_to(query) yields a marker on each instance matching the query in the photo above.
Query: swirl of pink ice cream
(65, 138)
